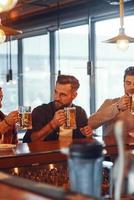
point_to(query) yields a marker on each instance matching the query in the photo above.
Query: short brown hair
(129, 72)
(67, 79)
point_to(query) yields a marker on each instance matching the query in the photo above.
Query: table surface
(38, 147)
(32, 153)
(46, 151)
(25, 153)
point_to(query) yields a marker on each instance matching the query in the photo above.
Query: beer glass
(25, 118)
(65, 134)
(70, 113)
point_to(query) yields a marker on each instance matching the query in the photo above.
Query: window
(110, 61)
(10, 89)
(36, 70)
(72, 57)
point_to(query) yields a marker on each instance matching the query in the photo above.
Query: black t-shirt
(44, 113)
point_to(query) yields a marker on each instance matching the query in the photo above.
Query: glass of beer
(25, 118)
(70, 113)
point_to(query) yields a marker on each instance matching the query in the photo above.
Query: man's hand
(12, 117)
(124, 103)
(87, 131)
(59, 118)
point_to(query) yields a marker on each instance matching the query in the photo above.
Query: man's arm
(58, 120)
(44, 131)
(8, 122)
(106, 112)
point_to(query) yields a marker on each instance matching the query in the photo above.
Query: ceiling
(29, 10)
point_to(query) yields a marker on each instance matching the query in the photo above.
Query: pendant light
(9, 75)
(10, 62)
(7, 62)
(58, 37)
(122, 40)
(6, 5)
(7, 32)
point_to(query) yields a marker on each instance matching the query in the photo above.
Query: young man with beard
(47, 118)
(8, 132)
(113, 110)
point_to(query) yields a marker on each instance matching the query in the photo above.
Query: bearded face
(129, 84)
(64, 95)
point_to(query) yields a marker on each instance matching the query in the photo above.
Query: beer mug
(25, 118)
(70, 113)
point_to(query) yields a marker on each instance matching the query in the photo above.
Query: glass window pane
(110, 61)
(72, 57)
(36, 71)
(10, 89)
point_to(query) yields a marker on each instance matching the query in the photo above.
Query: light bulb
(2, 36)
(122, 44)
(6, 5)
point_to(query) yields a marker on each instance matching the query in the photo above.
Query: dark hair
(67, 79)
(129, 71)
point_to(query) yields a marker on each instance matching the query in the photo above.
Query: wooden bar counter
(25, 154)
(111, 146)
(43, 161)
(38, 161)
(35, 153)
(16, 188)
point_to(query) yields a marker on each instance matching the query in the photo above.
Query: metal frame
(20, 72)
(52, 63)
